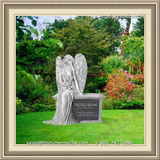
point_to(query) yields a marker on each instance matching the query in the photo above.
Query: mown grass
(118, 125)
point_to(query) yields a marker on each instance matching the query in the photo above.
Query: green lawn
(118, 125)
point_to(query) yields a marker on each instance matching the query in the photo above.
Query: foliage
(135, 66)
(58, 24)
(28, 89)
(139, 27)
(33, 55)
(138, 79)
(19, 106)
(52, 36)
(97, 38)
(133, 48)
(122, 93)
(24, 31)
(96, 85)
(33, 95)
(138, 94)
(42, 108)
(110, 104)
(111, 26)
(120, 85)
(80, 36)
(108, 65)
(111, 63)
(40, 105)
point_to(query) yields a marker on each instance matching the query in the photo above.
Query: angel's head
(68, 58)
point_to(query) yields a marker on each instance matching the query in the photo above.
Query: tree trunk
(126, 33)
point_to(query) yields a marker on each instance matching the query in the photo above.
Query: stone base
(91, 121)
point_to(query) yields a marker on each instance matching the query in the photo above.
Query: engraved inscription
(86, 109)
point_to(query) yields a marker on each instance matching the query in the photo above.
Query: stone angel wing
(80, 65)
(58, 71)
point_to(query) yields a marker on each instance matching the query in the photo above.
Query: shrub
(122, 93)
(19, 109)
(33, 93)
(97, 85)
(32, 55)
(138, 93)
(19, 106)
(122, 104)
(42, 108)
(119, 85)
(111, 104)
(28, 89)
(111, 63)
(22, 106)
(133, 48)
(133, 104)
(138, 79)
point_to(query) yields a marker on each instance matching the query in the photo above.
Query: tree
(58, 24)
(112, 27)
(139, 27)
(82, 37)
(125, 33)
(134, 51)
(33, 55)
(110, 24)
(24, 31)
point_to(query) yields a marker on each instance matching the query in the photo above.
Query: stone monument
(72, 105)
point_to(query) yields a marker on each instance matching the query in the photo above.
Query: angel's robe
(64, 98)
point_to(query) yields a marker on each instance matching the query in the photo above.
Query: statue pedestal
(87, 107)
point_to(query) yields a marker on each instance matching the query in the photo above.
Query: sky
(51, 19)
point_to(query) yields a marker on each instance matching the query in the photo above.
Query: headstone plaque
(86, 109)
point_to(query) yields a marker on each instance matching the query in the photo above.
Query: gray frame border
(5, 72)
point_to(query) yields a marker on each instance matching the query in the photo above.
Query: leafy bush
(111, 63)
(19, 109)
(133, 50)
(133, 104)
(122, 93)
(34, 55)
(24, 31)
(42, 108)
(22, 106)
(29, 89)
(121, 104)
(138, 79)
(138, 93)
(111, 104)
(48, 104)
(123, 83)
(19, 106)
(119, 85)
(97, 85)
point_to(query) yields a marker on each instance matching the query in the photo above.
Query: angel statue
(71, 74)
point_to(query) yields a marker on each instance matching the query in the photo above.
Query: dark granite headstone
(86, 109)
